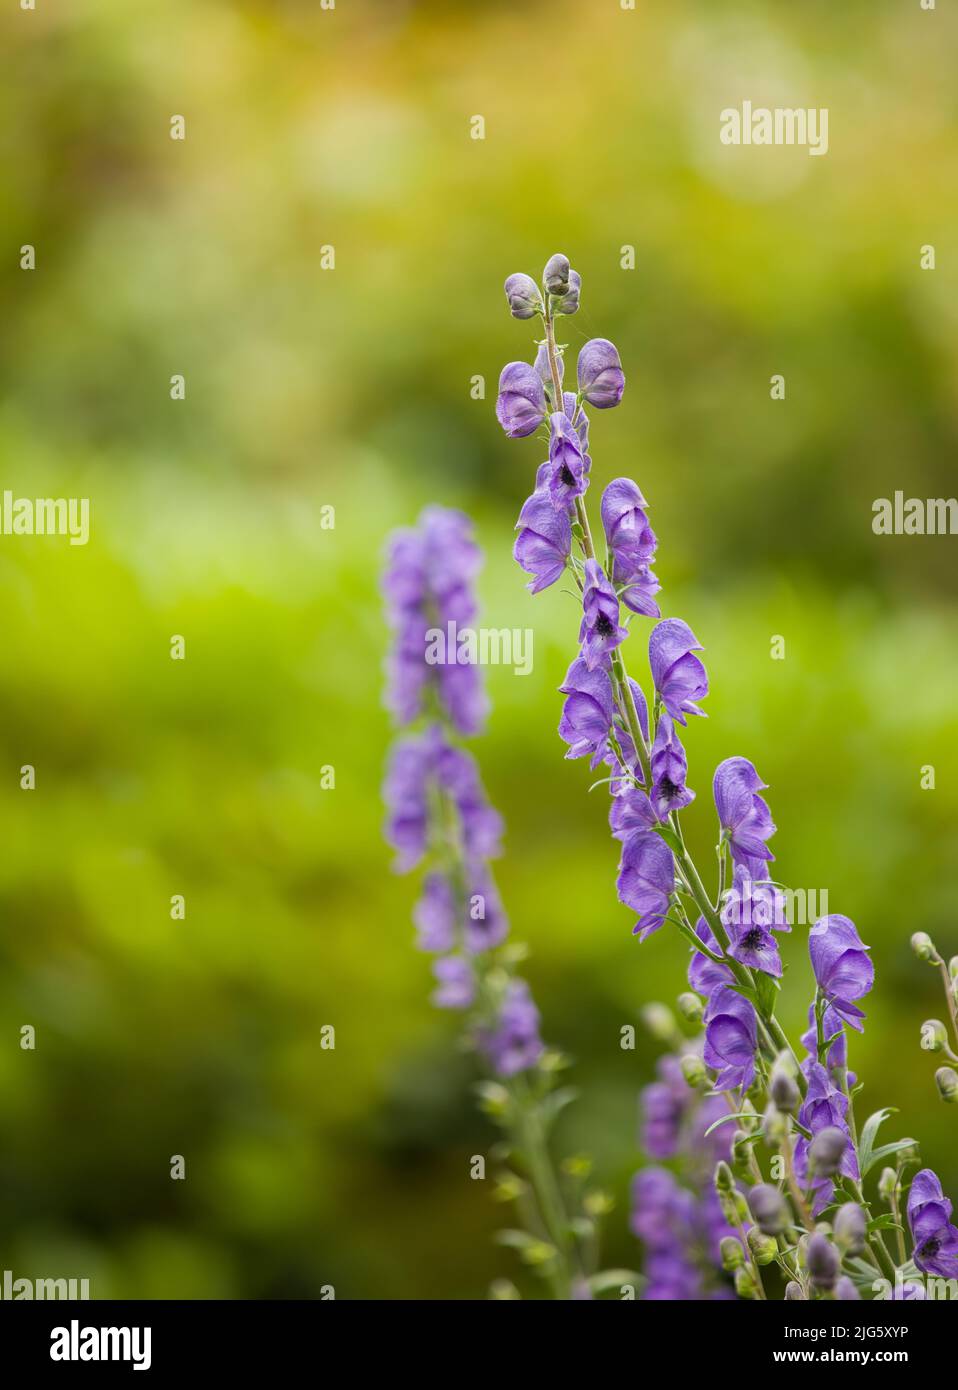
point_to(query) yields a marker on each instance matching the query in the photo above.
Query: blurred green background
(351, 387)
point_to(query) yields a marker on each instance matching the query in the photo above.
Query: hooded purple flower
(929, 1216)
(743, 814)
(523, 295)
(646, 880)
(669, 767)
(514, 1045)
(825, 1107)
(435, 914)
(568, 475)
(521, 403)
(730, 1039)
(631, 810)
(544, 541)
(832, 1027)
(842, 966)
(600, 631)
(679, 676)
(457, 985)
(748, 904)
(640, 589)
(747, 914)
(587, 712)
(704, 974)
(626, 525)
(601, 379)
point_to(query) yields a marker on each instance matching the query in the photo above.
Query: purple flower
(627, 769)
(405, 792)
(601, 379)
(641, 586)
(669, 767)
(521, 404)
(664, 1219)
(679, 676)
(706, 975)
(626, 525)
(730, 1039)
(646, 880)
(544, 541)
(581, 422)
(748, 912)
(832, 1027)
(486, 924)
(514, 1045)
(457, 985)
(435, 914)
(457, 774)
(743, 815)
(523, 295)
(825, 1107)
(929, 1216)
(842, 966)
(587, 713)
(569, 302)
(568, 476)
(600, 631)
(631, 810)
(663, 1106)
(555, 277)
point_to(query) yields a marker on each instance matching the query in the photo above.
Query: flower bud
(845, 1290)
(694, 1070)
(724, 1182)
(600, 375)
(764, 1248)
(850, 1228)
(745, 1285)
(774, 1126)
(794, 1293)
(946, 1079)
(740, 1155)
(887, 1184)
(733, 1256)
(784, 1091)
(826, 1151)
(569, 302)
(555, 277)
(934, 1036)
(923, 946)
(659, 1021)
(523, 295)
(691, 1007)
(953, 968)
(768, 1208)
(821, 1259)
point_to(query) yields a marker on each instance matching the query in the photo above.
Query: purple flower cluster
(664, 1217)
(935, 1237)
(428, 584)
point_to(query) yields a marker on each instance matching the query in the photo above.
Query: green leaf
(670, 838)
(869, 1132)
(740, 1115)
(608, 1279)
(555, 1102)
(885, 1222)
(766, 988)
(886, 1151)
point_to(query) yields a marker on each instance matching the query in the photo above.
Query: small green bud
(953, 968)
(724, 1182)
(493, 1099)
(501, 1291)
(537, 1252)
(691, 1007)
(597, 1203)
(659, 1021)
(764, 1248)
(774, 1126)
(745, 1285)
(924, 947)
(740, 1154)
(850, 1228)
(887, 1184)
(508, 1188)
(577, 1165)
(694, 1070)
(946, 1079)
(794, 1293)
(934, 1035)
(733, 1256)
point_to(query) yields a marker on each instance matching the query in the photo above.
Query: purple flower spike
(514, 1045)
(405, 792)
(929, 1216)
(705, 975)
(730, 1039)
(457, 985)
(842, 966)
(601, 379)
(669, 768)
(544, 541)
(679, 677)
(568, 476)
(600, 631)
(646, 880)
(435, 914)
(523, 295)
(587, 713)
(521, 404)
(743, 815)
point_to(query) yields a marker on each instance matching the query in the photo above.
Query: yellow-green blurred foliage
(351, 387)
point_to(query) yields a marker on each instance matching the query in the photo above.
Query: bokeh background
(351, 387)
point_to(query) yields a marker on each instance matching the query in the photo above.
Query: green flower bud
(946, 1079)
(745, 1285)
(691, 1007)
(953, 968)
(740, 1155)
(794, 1293)
(724, 1182)
(934, 1035)
(659, 1021)
(774, 1126)
(733, 1256)
(501, 1290)
(694, 1070)
(887, 1184)
(764, 1248)
(924, 947)
(768, 1209)
(850, 1228)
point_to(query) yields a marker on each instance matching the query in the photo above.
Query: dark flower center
(667, 790)
(930, 1248)
(567, 476)
(603, 626)
(753, 939)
